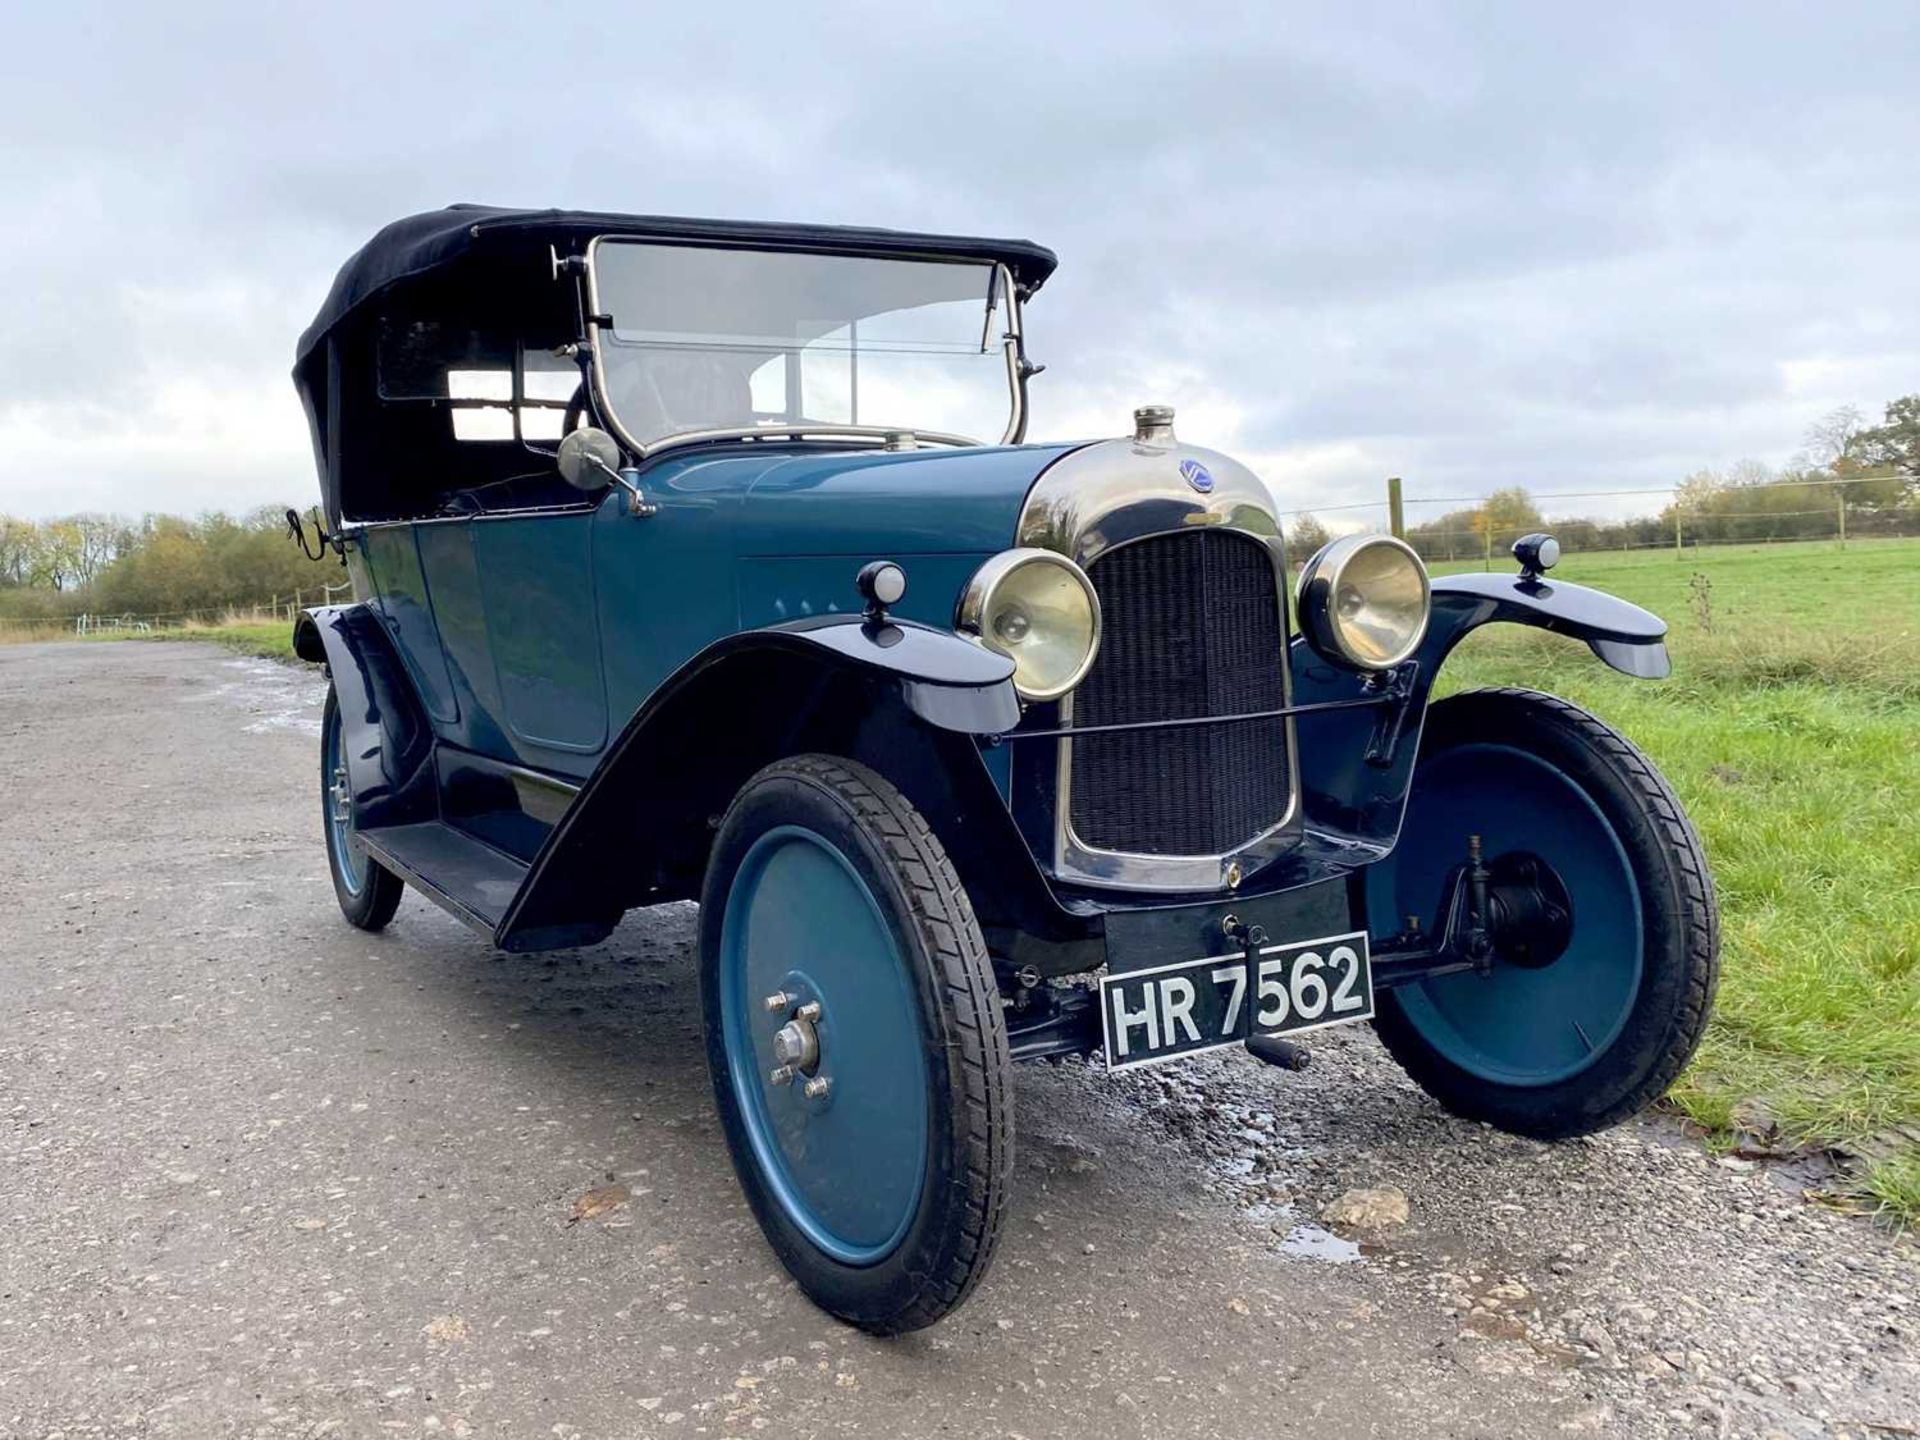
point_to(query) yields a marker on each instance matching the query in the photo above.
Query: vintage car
(697, 559)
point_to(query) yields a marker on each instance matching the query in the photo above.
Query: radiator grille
(1190, 626)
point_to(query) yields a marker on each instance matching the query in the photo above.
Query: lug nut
(810, 1011)
(782, 1075)
(818, 1087)
(777, 1001)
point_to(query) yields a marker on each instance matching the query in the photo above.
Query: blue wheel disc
(846, 1168)
(348, 863)
(1516, 1026)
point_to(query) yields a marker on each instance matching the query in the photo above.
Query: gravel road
(263, 1175)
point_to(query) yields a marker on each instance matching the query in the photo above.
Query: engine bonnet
(925, 502)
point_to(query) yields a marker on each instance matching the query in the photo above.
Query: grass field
(270, 639)
(1791, 730)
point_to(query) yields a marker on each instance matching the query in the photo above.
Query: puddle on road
(1304, 1240)
(1310, 1242)
(274, 696)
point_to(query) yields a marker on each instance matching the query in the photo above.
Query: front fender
(639, 830)
(947, 680)
(385, 737)
(1628, 638)
(1357, 764)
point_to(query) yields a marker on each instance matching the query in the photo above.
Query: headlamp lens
(1039, 610)
(1364, 601)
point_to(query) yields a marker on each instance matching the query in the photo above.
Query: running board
(469, 879)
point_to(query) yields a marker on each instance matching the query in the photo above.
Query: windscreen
(712, 339)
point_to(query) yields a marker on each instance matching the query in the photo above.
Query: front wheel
(856, 1043)
(1582, 1037)
(368, 893)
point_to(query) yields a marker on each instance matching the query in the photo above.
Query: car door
(507, 558)
(536, 592)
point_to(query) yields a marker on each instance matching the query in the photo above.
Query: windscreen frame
(1003, 297)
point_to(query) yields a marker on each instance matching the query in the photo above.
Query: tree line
(157, 565)
(1873, 470)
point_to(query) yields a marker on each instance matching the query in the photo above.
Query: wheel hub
(796, 1044)
(341, 796)
(1530, 912)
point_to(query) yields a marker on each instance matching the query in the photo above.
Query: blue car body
(545, 703)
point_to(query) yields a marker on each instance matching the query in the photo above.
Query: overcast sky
(1568, 248)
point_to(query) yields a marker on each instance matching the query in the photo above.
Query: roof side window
(485, 408)
(492, 387)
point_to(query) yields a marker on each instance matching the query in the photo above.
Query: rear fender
(907, 699)
(385, 737)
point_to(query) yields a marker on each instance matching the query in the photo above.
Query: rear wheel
(1596, 1027)
(856, 1043)
(368, 894)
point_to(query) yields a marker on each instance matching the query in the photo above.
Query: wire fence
(1732, 515)
(1810, 483)
(274, 609)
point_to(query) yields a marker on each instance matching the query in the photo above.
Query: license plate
(1184, 1008)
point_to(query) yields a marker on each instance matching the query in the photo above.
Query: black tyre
(856, 1043)
(368, 893)
(1599, 1031)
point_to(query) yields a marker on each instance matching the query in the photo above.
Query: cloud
(1473, 246)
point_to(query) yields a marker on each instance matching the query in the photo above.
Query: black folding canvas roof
(421, 244)
(479, 273)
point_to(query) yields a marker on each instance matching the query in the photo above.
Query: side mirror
(590, 460)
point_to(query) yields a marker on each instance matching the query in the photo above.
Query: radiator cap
(1153, 425)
